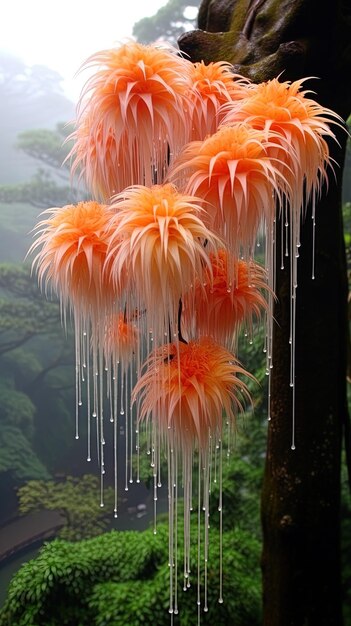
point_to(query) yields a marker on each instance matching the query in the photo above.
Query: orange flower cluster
(192, 163)
(188, 166)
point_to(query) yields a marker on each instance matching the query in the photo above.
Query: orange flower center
(234, 143)
(192, 361)
(276, 101)
(81, 223)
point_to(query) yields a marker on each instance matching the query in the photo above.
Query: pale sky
(62, 34)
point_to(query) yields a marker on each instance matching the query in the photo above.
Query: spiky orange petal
(187, 387)
(133, 115)
(231, 295)
(157, 249)
(284, 108)
(232, 171)
(73, 244)
(213, 85)
(121, 339)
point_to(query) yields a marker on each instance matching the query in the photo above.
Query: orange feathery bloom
(157, 248)
(231, 294)
(187, 387)
(121, 339)
(133, 115)
(214, 84)
(73, 243)
(231, 170)
(301, 123)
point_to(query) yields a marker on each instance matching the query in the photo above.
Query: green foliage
(16, 409)
(253, 358)
(50, 148)
(32, 347)
(77, 501)
(241, 484)
(167, 24)
(24, 313)
(17, 457)
(47, 146)
(122, 578)
(41, 191)
(16, 223)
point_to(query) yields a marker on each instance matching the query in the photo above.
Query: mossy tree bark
(301, 490)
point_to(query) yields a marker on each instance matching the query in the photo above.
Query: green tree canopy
(77, 501)
(170, 21)
(17, 459)
(24, 313)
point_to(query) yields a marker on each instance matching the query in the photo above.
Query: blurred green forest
(117, 577)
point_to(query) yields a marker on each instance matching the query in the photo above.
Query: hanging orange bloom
(232, 172)
(186, 387)
(73, 243)
(157, 249)
(121, 339)
(231, 295)
(283, 108)
(214, 84)
(133, 116)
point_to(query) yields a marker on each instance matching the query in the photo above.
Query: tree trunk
(301, 491)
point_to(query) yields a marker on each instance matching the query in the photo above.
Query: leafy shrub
(121, 578)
